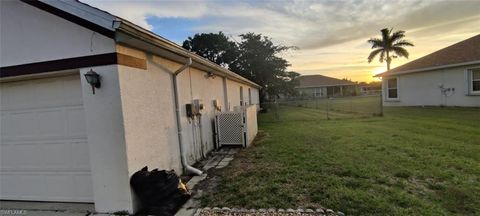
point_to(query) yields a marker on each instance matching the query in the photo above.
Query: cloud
(138, 11)
(330, 33)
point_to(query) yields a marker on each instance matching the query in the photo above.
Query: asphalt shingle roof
(320, 80)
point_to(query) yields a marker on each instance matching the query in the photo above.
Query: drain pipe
(186, 166)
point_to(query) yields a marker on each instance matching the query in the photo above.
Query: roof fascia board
(66, 12)
(85, 12)
(427, 69)
(131, 34)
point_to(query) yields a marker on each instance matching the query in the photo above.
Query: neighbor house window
(475, 82)
(392, 88)
(249, 96)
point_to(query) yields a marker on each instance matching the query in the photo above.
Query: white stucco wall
(106, 140)
(421, 89)
(149, 118)
(233, 91)
(150, 91)
(256, 97)
(29, 34)
(193, 84)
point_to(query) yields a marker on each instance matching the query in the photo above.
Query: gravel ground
(265, 212)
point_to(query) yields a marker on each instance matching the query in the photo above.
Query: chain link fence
(311, 109)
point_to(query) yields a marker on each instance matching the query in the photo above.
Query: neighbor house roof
(123, 31)
(321, 81)
(462, 53)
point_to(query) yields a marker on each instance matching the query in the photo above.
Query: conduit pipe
(186, 166)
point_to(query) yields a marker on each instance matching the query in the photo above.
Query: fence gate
(230, 129)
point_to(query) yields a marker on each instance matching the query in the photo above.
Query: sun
(378, 70)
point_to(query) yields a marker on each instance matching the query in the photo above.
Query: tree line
(254, 57)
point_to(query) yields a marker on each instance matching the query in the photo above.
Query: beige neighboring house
(323, 86)
(447, 77)
(60, 142)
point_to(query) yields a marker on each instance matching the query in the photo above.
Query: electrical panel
(190, 110)
(198, 104)
(194, 108)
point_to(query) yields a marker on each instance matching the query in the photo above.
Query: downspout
(186, 166)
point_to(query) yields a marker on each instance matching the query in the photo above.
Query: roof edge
(152, 38)
(426, 69)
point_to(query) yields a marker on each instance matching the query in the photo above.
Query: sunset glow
(331, 35)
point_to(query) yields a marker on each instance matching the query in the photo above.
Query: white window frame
(471, 80)
(387, 88)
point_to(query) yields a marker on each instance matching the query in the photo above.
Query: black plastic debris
(160, 192)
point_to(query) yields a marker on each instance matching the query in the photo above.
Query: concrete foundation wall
(422, 89)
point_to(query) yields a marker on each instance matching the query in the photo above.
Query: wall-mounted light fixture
(93, 78)
(210, 75)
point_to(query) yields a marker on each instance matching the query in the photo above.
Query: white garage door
(44, 151)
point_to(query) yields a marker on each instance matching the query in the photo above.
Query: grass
(412, 161)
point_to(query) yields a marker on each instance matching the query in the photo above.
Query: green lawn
(412, 161)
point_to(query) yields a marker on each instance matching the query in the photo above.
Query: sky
(331, 34)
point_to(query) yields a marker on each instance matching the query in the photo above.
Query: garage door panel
(57, 156)
(44, 149)
(79, 150)
(75, 128)
(53, 124)
(81, 182)
(26, 157)
(16, 96)
(20, 125)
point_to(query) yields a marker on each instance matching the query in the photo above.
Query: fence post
(328, 99)
(277, 113)
(351, 104)
(381, 104)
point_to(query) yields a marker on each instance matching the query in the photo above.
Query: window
(392, 88)
(317, 92)
(249, 96)
(241, 95)
(475, 81)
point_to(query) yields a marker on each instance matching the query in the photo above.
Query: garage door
(44, 151)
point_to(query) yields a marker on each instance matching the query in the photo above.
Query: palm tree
(391, 45)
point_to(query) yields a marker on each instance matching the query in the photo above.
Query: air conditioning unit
(236, 128)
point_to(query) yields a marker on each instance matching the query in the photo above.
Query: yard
(412, 161)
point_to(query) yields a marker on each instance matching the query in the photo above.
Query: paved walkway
(219, 159)
(44, 208)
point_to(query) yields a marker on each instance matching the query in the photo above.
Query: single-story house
(318, 86)
(69, 139)
(447, 77)
(370, 88)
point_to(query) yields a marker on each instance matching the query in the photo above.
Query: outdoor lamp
(93, 79)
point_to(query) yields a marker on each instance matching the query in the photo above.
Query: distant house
(447, 77)
(370, 88)
(323, 86)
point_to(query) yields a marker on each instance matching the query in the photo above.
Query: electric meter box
(198, 105)
(190, 110)
(194, 108)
